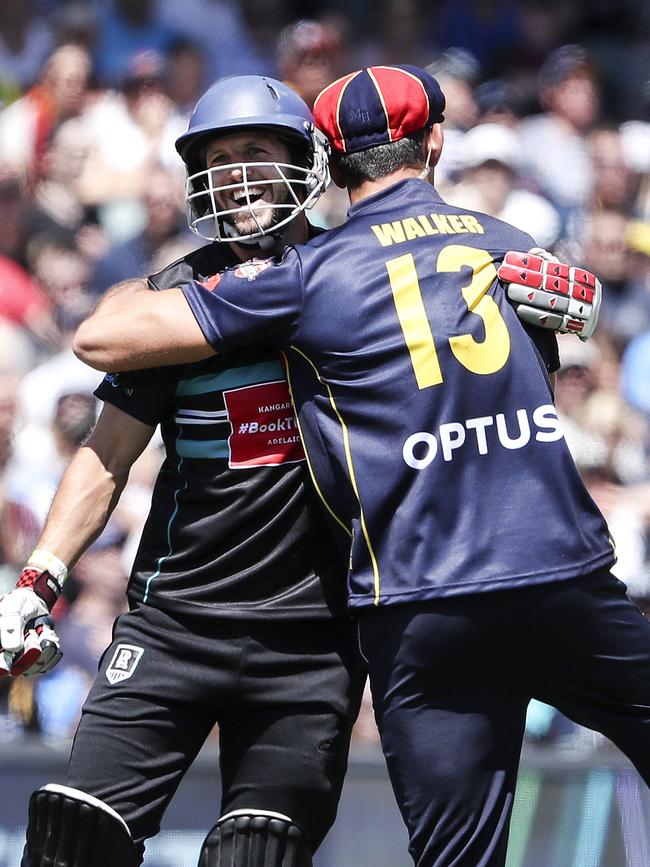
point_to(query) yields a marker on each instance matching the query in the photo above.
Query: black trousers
(284, 695)
(451, 681)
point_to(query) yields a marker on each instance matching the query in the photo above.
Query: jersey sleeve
(546, 343)
(176, 274)
(143, 394)
(258, 303)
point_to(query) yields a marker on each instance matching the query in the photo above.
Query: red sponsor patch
(575, 325)
(264, 427)
(211, 283)
(249, 270)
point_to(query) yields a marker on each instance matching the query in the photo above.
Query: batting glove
(551, 294)
(28, 645)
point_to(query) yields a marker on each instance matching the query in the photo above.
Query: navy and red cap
(378, 105)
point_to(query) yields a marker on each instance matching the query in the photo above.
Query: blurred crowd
(547, 127)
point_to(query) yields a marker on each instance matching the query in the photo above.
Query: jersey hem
(228, 612)
(422, 594)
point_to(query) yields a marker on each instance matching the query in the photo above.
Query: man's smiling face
(237, 162)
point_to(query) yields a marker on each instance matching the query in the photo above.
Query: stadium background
(548, 126)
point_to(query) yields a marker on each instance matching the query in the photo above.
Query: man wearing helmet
(237, 615)
(267, 165)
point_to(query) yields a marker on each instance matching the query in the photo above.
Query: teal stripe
(633, 814)
(209, 449)
(569, 817)
(235, 377)
(162, 559)
(592, 833)
(529, 786)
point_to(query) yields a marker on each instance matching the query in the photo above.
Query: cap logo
(359, 114)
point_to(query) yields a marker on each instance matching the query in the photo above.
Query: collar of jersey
(410, 189)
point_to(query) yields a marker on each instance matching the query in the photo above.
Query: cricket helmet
(234, 104)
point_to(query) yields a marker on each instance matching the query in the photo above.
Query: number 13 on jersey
(485, 357)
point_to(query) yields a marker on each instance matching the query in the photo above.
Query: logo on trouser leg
(123, 663)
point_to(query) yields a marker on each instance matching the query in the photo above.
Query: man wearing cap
(479, 565)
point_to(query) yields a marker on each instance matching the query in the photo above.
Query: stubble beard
(265, 218)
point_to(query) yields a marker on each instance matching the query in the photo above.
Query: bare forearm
(82, 506)
(133, 328)
(115, 297)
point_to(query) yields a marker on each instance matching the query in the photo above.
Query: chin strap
(265, 243)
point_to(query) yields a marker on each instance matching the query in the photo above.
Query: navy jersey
(235, 529)
(425, 406)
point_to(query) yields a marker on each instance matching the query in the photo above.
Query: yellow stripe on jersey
(351, 473)
(309, 466)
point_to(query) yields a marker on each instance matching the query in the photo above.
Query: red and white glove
(550, 294)
(28, 645)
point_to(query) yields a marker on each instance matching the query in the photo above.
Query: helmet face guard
(303, 186)
(234, 105)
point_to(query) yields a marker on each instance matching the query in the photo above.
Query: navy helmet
(243, 102)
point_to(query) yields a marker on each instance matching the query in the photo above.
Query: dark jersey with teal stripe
(424, 403)
(235, 530)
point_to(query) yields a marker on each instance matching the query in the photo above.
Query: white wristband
(43, 560)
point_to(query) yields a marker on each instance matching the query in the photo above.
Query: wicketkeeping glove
(28, 645)
(551, 294)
